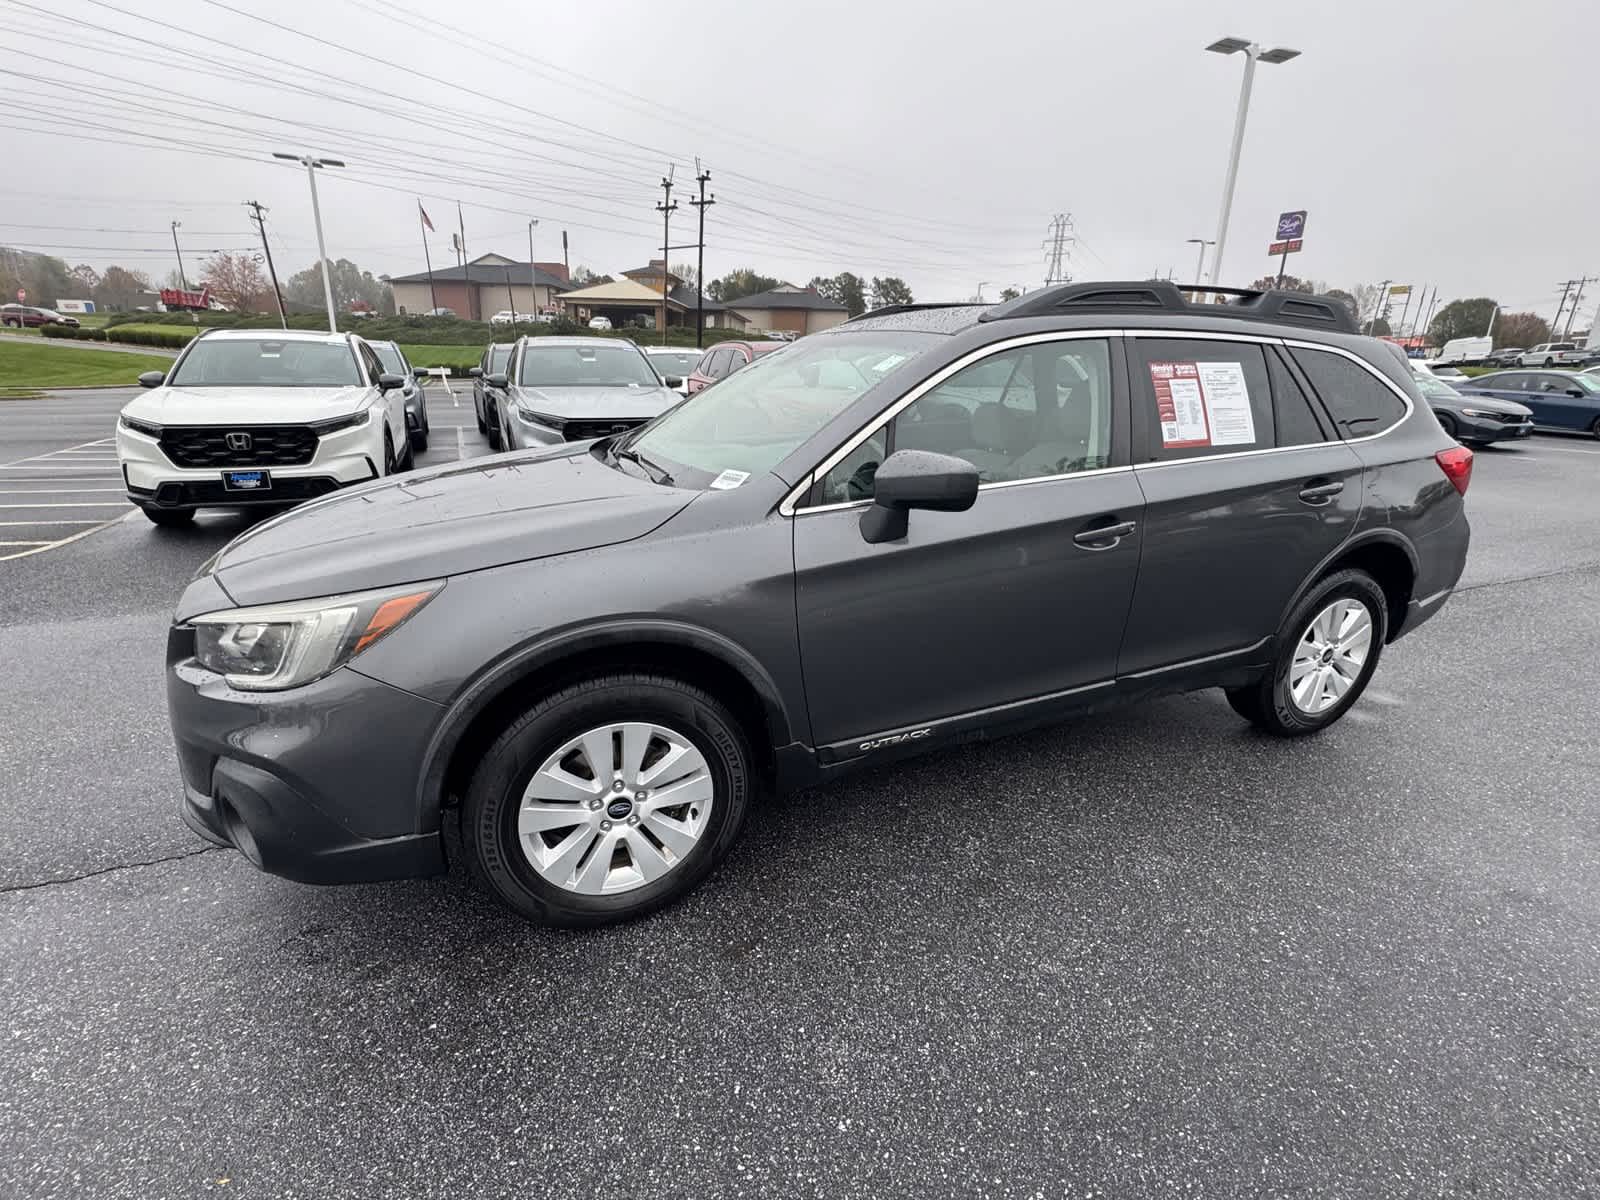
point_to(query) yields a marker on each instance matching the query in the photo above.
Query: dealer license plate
(246, 481)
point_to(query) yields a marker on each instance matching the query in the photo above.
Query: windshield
(1430, 386)
(675, 363)
(599, 365)
(237, 362)
(1587, 382)
(389, 355)
(498, 357)
(753, 419)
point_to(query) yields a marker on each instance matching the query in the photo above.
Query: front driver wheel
(607, 800)
(1595, 428)
(1327, 651)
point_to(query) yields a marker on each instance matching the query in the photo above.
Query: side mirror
(673, 381)
(419, 372)
(387, 382)
(498, 379)
(475, 372)
(1579, 392)
(152, 379)
(916, 479)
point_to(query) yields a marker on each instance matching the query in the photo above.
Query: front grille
(269, 445)
(1510, 418)
(199, 493)
(583, 431)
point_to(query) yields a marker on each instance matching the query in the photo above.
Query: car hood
(584, 403)
(1488, 402)
(443, 521)
(249, 405)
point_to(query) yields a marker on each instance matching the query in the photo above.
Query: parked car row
(1478, 351)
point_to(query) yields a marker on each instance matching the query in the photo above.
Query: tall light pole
(182, 282)
(1200, 260)
(1252, 53)
(533, 270)
(311, 164)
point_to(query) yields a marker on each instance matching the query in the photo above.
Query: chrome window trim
(840, 505)
(787, 507)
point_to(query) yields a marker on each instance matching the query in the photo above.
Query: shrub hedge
(71, 334)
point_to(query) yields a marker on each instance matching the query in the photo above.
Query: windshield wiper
(656, 472)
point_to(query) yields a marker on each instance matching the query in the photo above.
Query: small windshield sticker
(729, 479)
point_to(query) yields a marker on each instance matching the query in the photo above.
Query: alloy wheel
(615, 808)
(1330, 655)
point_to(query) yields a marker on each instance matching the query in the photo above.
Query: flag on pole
(424, 214)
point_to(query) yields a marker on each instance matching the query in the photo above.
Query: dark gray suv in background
(927, 525)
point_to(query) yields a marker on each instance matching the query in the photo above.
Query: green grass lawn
(24, 367)
(458, 358)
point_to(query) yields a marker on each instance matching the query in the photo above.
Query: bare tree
(687, 273)
(236, 280)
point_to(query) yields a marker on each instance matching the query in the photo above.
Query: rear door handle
(1105, 536)
(1320, 493)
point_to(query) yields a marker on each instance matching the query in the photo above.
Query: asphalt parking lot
(1150, 953)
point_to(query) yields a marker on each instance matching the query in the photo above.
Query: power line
(1058, 244)
(257, 209)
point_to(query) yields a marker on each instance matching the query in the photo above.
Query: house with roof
(636, 299)
(488, 284)
(790, 309)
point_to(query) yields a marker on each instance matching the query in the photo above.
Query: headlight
(148, 428)
(1478, 412)
(336, 424)
(554, 424)
(276, 646)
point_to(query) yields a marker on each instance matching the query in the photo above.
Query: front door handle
(1320, 493)
(1104, 537)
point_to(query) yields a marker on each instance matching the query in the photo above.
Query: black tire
(409, 461)
(170, 518)
(493, 431)
(1266, 704)
(388, 453)
(419, 440)
(1595, 428)
(1447, 423)
(482, 425)
(489, 813)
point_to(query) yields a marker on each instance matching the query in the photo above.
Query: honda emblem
(239, 441)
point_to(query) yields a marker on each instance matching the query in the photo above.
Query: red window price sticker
(1180, 404)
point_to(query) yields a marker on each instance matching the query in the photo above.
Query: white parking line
(48, 453)
(461, 443)
(74, 504)
(49, 491)
(41, 547)
(31, 524)
(20, 544)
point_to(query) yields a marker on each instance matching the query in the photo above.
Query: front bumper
(1489, 429)
(152, 479)
(316, 784)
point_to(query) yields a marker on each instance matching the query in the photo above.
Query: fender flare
(527, 660)
(1382, 536)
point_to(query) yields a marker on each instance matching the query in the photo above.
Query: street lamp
(311, 164)
(182, 282)
(1252, 54)
(533, 271)
(1200, 262)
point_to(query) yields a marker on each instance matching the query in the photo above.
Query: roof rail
(889, 309)
(1278, 307)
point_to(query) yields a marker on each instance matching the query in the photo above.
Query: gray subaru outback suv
(928, 525)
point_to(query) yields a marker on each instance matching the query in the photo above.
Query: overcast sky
(929, 141)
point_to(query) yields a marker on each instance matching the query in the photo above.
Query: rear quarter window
(1360, 403)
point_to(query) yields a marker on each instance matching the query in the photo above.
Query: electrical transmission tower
(1059, 244)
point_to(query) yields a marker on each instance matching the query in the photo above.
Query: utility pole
(1059, 245)
(1379, 306)
(533, 268)
(312, 165)
(1565, 289)
(1573, 311)
(666, 208)
(1200, 260)
(701, 205)
(182, 282)
(257, 208)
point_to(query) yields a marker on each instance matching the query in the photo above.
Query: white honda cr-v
(251, 417)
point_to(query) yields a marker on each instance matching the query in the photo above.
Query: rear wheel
(1327, 651)
(170, 518)
(388, 453)
(1447, 423)
(607, 800)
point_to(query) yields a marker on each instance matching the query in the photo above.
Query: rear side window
(1297, 419)
(1361, 405)
(1202, 397)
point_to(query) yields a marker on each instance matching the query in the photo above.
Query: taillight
(1456, 463)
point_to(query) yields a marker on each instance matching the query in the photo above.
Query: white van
(1467, 350)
